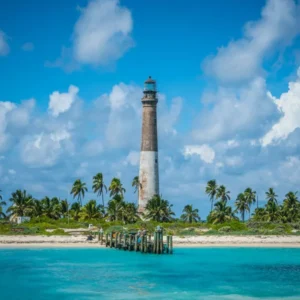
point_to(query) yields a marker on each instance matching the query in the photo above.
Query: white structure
(148, 176)
(19, 220)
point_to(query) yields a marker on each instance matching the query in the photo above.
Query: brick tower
(148, 176)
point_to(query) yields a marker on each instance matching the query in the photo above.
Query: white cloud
(62, 102)
(120, 97)
(242, 112)
(28, 47)
(123, 126)
(206, 153)
(233, 161)
(232, 143)
(5, 108)
(19, 117)
(242, 59)
(168, 118)
(12, 172)
(4, 47)
(102, 33)
(133, 158)
(44, 149)
(289, 106)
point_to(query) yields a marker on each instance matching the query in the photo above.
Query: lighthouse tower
(148, 176)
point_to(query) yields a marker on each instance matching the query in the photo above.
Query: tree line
(157, 208)
(287, 211)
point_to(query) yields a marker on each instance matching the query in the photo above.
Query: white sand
(238, 241)
(191, 241)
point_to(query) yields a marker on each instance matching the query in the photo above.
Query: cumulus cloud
(206, 153)
(123, 126)
(44, 149)
(102, 33)
(5, 108)
(28, 47)
(170, 117)
(242, 59)
(12, 172)
(133, 158)
(289, 106)
(237, 113)
(4, 47)
(61, 102)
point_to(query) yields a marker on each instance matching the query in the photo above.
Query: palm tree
(211, 191)
(78, 190)
(116, 188)
(37, 209)
(2, 203)
(98, 186)
(22, 203)
(158, 209)
(64, 208)
(291, 207)
(115, 208)
(242, 205)
(222, 213)
(259, 214)
(51, 207)
(130, 213)
(271, 196)
(91, 211)
(136, 184)
(75, 210)
(222, 194)
(272, 211)
(190, 215)
(250, 196)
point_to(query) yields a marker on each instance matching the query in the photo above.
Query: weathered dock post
(136, 242)
(155, 242)
(171, 245)
(168, 243)
(111, 240)
(106, 239)
(145, 244)
(120, 240)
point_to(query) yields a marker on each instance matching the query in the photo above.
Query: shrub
(234, 226)
(224, 229)
(58, 232)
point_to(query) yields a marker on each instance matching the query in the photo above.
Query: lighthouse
(148, 175)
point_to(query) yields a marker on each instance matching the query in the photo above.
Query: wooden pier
(140, 241)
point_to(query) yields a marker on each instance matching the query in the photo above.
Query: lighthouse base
(148, 178)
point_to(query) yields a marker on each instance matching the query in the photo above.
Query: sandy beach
(25, 241)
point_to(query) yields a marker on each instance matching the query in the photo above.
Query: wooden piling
(111, 240)
(168, 243)
(136, 242)
(171, 245)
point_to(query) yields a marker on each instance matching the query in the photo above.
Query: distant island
(58, 218)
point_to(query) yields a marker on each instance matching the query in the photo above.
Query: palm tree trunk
(103, 202)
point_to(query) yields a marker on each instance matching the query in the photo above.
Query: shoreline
(35, 241)
(175, 246)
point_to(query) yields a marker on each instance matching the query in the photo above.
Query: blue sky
(70, 89)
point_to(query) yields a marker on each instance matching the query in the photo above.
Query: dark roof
(150, 80)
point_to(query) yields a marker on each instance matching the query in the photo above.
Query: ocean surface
(190, 273)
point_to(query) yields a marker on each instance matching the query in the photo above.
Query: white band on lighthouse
(148, 177)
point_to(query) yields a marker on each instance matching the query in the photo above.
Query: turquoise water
(201, 273)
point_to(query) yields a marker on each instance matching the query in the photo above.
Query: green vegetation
(49, 216)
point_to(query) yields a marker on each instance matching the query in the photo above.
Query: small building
(19, 220)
